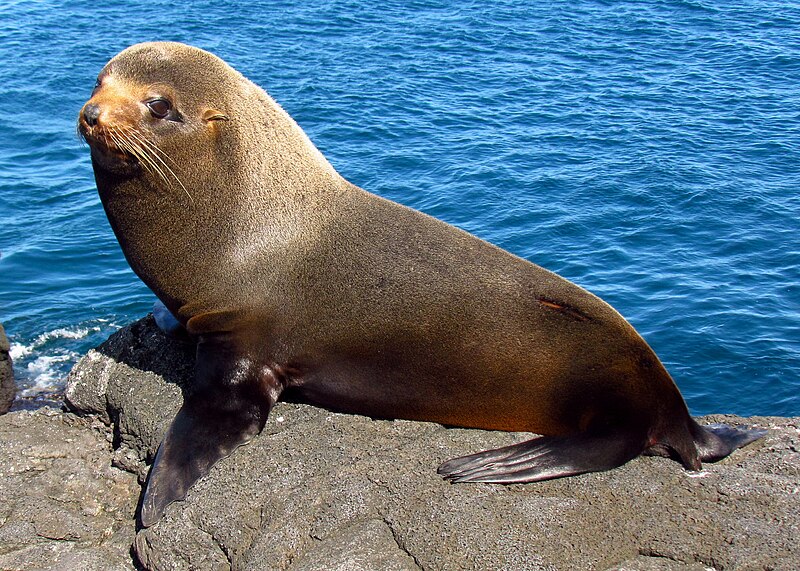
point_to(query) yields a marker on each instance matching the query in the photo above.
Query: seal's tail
(704, 443)
(715, 441)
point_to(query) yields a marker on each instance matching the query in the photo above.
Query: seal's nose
(91, 113)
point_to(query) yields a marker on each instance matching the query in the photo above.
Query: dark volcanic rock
(7, 386)
(319, 490)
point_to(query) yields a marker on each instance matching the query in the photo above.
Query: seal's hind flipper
(543, 458)
(227, 406)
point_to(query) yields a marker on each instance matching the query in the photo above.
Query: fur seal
(296, 282)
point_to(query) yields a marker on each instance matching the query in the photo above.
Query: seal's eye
(96, 85)
(159, 108)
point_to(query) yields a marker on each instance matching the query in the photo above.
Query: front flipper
(544, 458)
(227, 406)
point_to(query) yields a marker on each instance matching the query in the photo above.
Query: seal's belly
(444, 392)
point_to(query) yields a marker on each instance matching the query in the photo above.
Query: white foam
(64, 333)
(18, 351)
(67, 334)
(42, 364)
(45, 373)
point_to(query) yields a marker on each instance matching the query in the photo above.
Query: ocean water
(648, 151)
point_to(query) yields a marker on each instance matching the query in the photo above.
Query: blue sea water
(649, 151)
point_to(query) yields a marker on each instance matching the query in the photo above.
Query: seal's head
(169, 115)
(151, 100)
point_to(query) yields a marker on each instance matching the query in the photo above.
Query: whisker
(142, 154)
(145, 160)
(105, 134)
(154, 152)
(151, 145)
(125, 145)
(138, 152)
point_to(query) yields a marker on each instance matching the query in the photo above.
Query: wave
(41, 364)
(19, 350)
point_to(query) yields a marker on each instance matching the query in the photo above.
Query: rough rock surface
(319, 490)
(7, 386)
(62, 504)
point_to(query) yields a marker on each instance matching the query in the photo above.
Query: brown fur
(347, 300)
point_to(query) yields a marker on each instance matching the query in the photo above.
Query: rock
(8, 388)
(132, 381)
(62, 505)
(319, 490)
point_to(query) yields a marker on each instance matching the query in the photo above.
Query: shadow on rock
(134, 382)
(142, 345)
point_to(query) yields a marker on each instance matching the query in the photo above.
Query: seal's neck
(189, 245)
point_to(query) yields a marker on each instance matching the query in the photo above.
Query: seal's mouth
(108, 148)
(105, 143)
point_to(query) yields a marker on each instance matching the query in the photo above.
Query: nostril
(91, 113)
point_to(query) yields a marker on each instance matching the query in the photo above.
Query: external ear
(214, 115)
